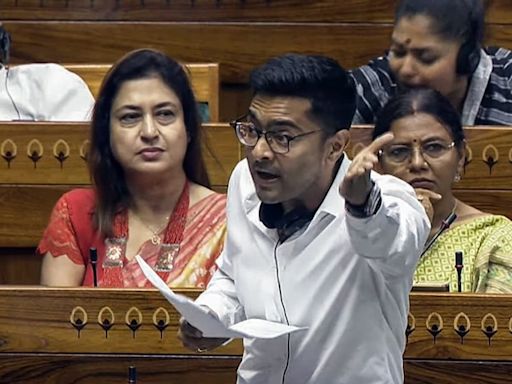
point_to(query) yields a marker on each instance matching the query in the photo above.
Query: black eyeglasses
(248, 135)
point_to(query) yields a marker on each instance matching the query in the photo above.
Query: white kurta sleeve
(66, 97)
(393, 238)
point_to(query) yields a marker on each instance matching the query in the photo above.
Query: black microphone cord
(284, 311)
(445, 224)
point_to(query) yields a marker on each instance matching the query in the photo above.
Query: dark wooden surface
(221, 151)
(107, 369)
(456, 372)
(235, 33)
(227, 10)
(238, 47)
(20, 265)
(28, 194)
(38, 342)
(29, 191)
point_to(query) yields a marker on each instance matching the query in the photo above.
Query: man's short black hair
(319, 79)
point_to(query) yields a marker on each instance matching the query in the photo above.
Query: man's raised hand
(356, 185)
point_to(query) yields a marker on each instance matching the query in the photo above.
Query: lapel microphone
(445, 224)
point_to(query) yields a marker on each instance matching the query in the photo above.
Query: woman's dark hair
(106, 173)
(460, 20)
(319, 79)
(421, 100)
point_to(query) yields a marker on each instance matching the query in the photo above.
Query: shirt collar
(476, 90)
(332, 203)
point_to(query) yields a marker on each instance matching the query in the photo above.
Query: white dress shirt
(43, 92)
(345, 278)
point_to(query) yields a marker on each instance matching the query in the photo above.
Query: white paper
(209, 325)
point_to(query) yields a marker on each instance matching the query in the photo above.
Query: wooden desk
(39, 344)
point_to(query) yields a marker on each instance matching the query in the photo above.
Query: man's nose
(262, 149)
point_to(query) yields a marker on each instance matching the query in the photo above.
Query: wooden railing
(238, 35)
(50, 159)
(348, 11)
(41, 161)
(204, 79)
(93, 335)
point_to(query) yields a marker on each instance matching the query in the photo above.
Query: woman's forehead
(419, 126)
(418, 32)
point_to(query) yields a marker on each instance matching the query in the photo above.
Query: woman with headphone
(437, 44)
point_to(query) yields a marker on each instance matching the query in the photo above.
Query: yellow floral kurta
(486, 243)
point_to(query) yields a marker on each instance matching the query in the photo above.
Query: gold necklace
(155, 238)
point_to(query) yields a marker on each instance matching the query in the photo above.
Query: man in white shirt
(314, 240)
(41, 92)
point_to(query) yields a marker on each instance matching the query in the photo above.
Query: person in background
(40, 92)
(428, 152)
(438, 44)
(314, 240)
(150, 194)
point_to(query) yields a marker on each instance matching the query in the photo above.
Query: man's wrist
(369, 207)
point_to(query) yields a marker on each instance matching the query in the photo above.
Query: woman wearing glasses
(428, 151)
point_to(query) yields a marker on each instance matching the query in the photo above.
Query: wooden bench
(29, 188)
(48, 159)
(93, 335)
(204, 79)
(237, 34)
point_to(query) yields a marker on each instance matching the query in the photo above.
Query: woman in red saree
(150, 194)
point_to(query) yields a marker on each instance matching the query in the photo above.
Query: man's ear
(338, 143)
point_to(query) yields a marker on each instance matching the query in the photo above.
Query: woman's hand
(426, 197)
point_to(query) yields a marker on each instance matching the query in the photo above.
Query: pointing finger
(380, 142)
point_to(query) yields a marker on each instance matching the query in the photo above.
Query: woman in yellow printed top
(428, 151)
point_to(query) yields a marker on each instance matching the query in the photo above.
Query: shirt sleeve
(220, 295)
(393, 238)
(59, 237)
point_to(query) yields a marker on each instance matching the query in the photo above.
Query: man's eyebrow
(283, 123)
(275, 123)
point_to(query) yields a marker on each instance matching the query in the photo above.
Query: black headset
(5, 46)
(469, 53)
(286, 224)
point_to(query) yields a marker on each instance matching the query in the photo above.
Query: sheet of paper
(210, 326)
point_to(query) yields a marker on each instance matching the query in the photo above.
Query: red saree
(70, 234)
